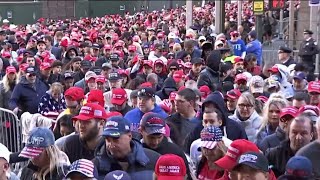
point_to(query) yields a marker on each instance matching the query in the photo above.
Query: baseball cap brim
(78, 171)
(257, 90)
(177, 79)
(170, 177)
(82, 117)
(226, 163)
(117, 101)
(208, 144)
(155, 130)
(252, 165)
(30, 152)
(112, 133)
(231, 96)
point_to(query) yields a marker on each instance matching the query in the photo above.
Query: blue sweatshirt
(255, 47)
(238, 47)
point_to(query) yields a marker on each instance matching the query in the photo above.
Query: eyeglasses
(173, 69)
(242, 106)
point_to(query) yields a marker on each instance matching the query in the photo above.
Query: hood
(284, 73)
(69, 48)
(214, 60)
(217, 99)
(169, 83)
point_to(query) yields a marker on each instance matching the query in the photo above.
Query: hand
(16, 110)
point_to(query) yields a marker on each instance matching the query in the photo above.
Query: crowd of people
(144, 97)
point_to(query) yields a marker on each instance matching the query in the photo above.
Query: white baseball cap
(5, 153)
(171, 35)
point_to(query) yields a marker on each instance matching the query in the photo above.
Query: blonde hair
(177, 47)
(249, 98)
(275, 99)
(56, 85)
(57, 160)
(5, 82)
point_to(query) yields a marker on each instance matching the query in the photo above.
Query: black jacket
(101, 60)
(279, 156)
(233, 129)
(289, 61)
(210, 75)
(124, 111)
(272, 140)
(179, 128)
(67, 59)
(169, 86)
(141, 162)
(308, 50)
(76, 149)
(78, 76)
(30, 169)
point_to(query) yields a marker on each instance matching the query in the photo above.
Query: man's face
(41, 47)
(92, 83)
(31, 61)
(238, 65)
(4, 167)
(48, 43)
(88, 130)
(158, 68)
(2, 37)
(297, 104)
(115, 84)
(147, 69)
(71, 53)
(101, 86)
(119, 147)
(105, 72)
(231, 103)
(153, 140)
(299, 84)
(57, 70)
(245, 108)
(282, 56)
(46, 72)
(58, 38)
(189, 49)
(211, 119)
(68, 83)
(72, 105)
(181, 104)
(145, 104)
(114, 63)
(299, 134)
(314, 98)
(120, 107)
(196, 68)
(31, 78)
(245, 172)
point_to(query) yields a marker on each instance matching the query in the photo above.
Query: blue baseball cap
(299, 75)
(116, 126)
(299, 166)
(153, 123)
(39, 139)
(210, 136)
(117, 175)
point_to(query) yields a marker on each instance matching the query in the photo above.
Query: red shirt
(207, 174)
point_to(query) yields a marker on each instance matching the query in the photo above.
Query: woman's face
(273, 114)
(244, 108)
(57, 70)
(41, 160)
(187, 58)
(11, 76)
(92, 84)
(76, 66)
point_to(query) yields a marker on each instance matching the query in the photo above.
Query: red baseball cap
(188, 65)
(119, 96)
(274, 69)
(205, 91)
(91, 111)
(148, 63)
(117, 44)
(100, 78)
(23, 67)
(238, 59)
(45, 66)
(236, 149)
(132, 48)
(310, 108)
(263, 99)
(11, 69)
(75, 93)
(178, 76)
(233, 94)
(107, 47)
(96, 96)
(160, 35)
(173, 95)
(158, 61)
(241, 77)
(145, 84)
(6, 54)
(292, 111)
(170, 166)
(314, 86)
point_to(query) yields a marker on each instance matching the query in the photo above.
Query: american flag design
(210, 136)
(82, 166)
(31, 152)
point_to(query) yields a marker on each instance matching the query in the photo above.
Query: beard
(90, 134)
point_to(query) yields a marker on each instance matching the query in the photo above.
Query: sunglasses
(173, 69)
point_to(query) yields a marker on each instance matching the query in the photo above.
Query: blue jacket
(141, 162)
(134, 116)
(57, 52)
(255, 47)
(238, 47)
(27, 98)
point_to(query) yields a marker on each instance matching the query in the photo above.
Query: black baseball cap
(153, 123)
(197, 61)
(146, 92)
(254, 160)
(114, 57)
(285, 49)
(114, 76)
(85, 64)
(68, 75)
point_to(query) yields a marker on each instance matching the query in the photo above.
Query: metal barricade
(10, 130)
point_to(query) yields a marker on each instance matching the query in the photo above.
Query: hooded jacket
(169, 85)
(251, 125)
(210, 75)
(134, 116)
(66, 58)
(27, 98)
(272, 140)
(141, 162)
(233, 129)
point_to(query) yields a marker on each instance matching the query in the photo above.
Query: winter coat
(233, 129)
(272, 140)
(141, 162)
(251, 125)
(5, 96)
(78, 76)
(27, 98)
(279, 156)
(49, 104)
(134, 116)
(67, 59)
(264, 132)
(289, 62)
(169, 85)
(255, 47)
